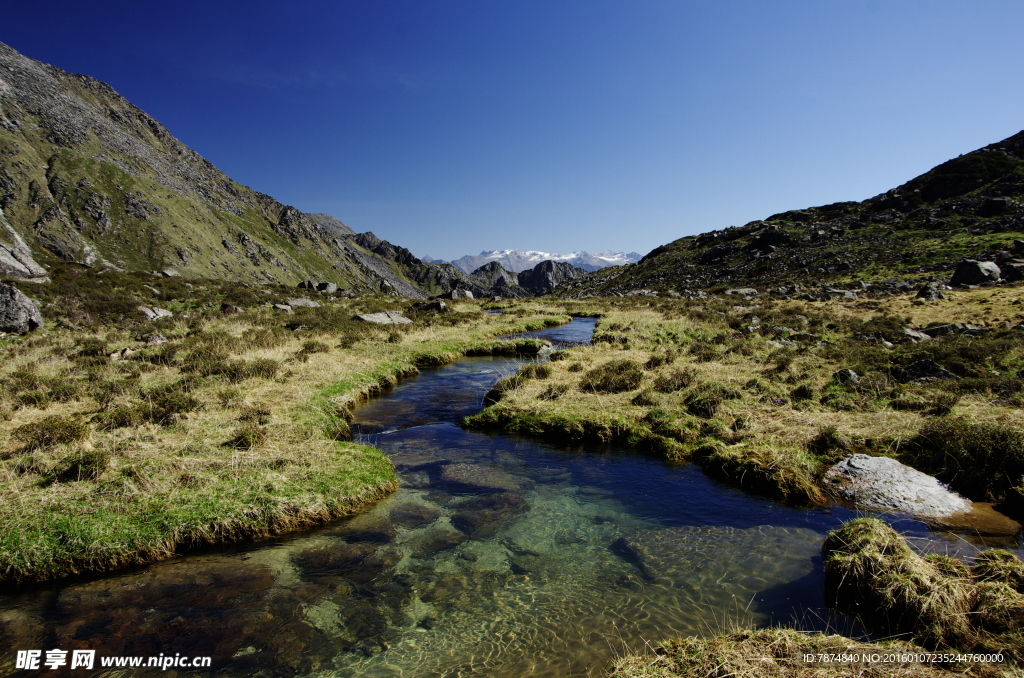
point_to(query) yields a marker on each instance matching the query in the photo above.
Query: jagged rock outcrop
(547, 275)
(16, 259)
(18, 313)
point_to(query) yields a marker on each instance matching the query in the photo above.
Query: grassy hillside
(971, 206)
(87, 177)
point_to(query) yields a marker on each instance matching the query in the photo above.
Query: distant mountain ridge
(518, 261)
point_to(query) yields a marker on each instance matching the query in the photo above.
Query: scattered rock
(283, 307)
(18, 313)
(955, 328)
(924, 370)
(743, 291)
(930, 292)
(915, 336)
(460, 294)
(846, 376)
(302, 302)
(228, 309)
(384, 318)
(154, 313)
(156, 340)
(884, 484)
(326, 287)
(437, 305)
(973, 272)
(170, 273)
(120, 355)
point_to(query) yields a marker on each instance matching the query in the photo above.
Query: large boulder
(18, 313)
(973, 272)
(303, 302)
(384, 318)
(884, 484)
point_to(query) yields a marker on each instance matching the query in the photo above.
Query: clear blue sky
(452, 127)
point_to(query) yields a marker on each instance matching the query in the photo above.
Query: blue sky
(452, 127)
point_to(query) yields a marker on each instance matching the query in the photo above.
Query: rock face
(18, 313)
(972, 272)
(16, 259)
(384, 318)
(547, 275)
(884, 484)
(64, 208)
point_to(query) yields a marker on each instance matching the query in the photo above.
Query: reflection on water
(499, 556)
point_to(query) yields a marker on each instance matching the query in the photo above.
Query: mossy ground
(707, 381)
(233, 428)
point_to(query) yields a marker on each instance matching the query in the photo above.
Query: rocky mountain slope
(87, 177)
(969, 207)
(518, 261)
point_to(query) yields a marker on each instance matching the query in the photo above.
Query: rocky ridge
(971, 207)
(87, 177)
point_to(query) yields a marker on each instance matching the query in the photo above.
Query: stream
(499, 556)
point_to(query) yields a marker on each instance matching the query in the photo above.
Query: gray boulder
(884, 484)
(915, 335)
(283, 307)
(384, 318)
(955, 328)
(154, 313)
(930, 292)
(846, 376)
(924, 370)
(460, 294)
(18, 313)
(302, 301)
(972, 272)
(327, 287)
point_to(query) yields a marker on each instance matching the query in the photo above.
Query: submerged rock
(470, 476)
(884, 484)
(414, 515)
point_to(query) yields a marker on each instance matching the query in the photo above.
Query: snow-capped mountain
(518, 260)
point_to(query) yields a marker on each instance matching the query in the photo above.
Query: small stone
(846, 376)
(283, 307)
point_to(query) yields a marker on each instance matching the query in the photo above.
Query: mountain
(87, 177)
(518, 261)
(969, 207)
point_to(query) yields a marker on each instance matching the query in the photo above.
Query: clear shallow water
(499, 556)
